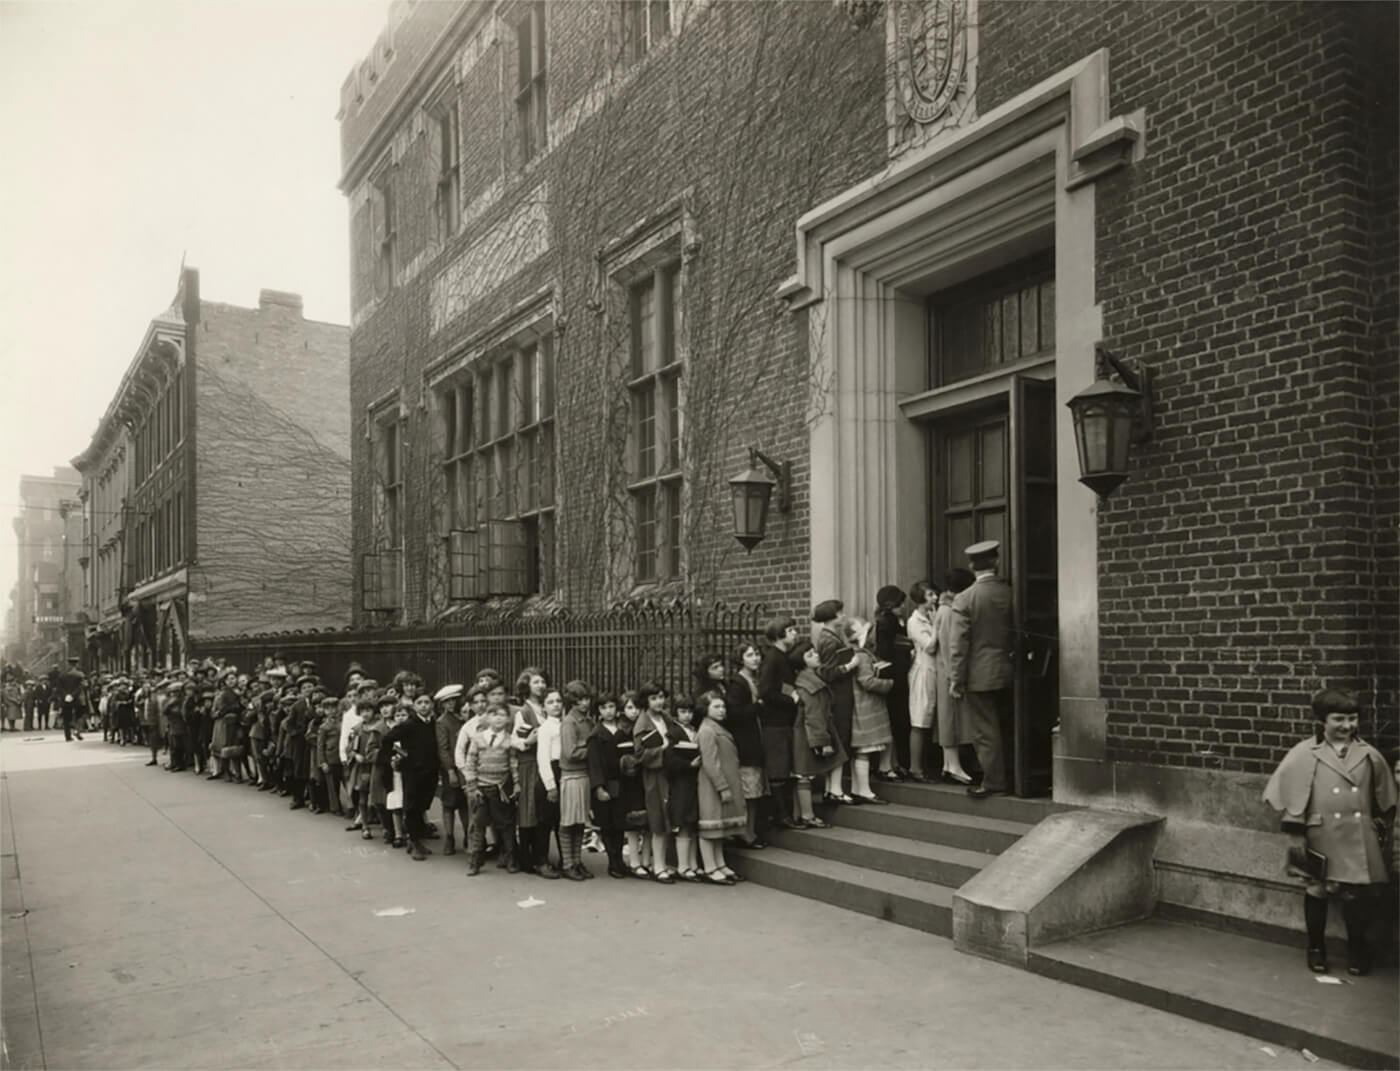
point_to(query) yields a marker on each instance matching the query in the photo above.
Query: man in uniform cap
(980, 663)
(74, 701)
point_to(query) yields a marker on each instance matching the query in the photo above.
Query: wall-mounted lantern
(1109, 416)
(751, 491)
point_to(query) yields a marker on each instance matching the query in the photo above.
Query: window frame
(384, 228)
(509, 445)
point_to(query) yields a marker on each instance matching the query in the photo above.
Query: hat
(890, 597)
(276, 671)
(367, 684)
(827, 611)
(986, 549)
(448, 691)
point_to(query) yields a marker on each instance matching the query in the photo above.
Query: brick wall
(1250, 260)
(272, 470)
(735, 117)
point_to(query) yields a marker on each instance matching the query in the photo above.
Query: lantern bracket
(1138, 379)
(782, 475)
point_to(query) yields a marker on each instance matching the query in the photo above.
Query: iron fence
(616, 649)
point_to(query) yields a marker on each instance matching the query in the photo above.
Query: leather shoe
(546, 870)
(1317, 960)
(978, 792)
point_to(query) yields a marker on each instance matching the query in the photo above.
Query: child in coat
(682, 765)
(720, 791)
(654, 732)
(607, 743)
(870, 726)
(816, 743)
(1329, 789)
(634, 801)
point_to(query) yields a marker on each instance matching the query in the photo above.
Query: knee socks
(803, 808)
(833, 782)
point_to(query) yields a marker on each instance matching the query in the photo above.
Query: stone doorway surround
(1017, 180)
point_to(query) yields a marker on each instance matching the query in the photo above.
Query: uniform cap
(448, 691)
(981, 550)
(827, 611)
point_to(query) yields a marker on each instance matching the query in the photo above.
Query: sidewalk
(172, 922)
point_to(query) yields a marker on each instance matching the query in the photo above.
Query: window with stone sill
(497, 434)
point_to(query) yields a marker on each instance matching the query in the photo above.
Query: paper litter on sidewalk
(1268, 1050)
(1310, 1057)
(394, 912)
(529, 901)
(1327, 979)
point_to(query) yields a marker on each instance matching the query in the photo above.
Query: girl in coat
(923, 677)
(682, 763)
(634, 800)
(952, 730)
(870, 727)
(743, 718)
(608, 742)
(653, 733)
(816, 742)
(533, 801)
(720, 791)
(777, 690)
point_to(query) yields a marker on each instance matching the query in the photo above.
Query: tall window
(449, 182)
(530, 93)
(382, 569)
(498, 471)
(656, 428)
(644, 24)
(390, 472)
(385, 231)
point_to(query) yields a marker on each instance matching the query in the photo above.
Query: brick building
(48, 592)
(569, 225)
(216, 487)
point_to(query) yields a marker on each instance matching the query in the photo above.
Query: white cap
(448, 691)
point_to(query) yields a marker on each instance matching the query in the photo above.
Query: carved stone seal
(930, 42)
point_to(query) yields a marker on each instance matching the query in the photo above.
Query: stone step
(955, 798)
(919, 905)
(972, 832)
(916, 859)
(1240, 983)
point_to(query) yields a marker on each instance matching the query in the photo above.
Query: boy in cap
(1331, 789)
(980, 667)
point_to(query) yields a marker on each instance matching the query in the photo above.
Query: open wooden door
(1035, 584)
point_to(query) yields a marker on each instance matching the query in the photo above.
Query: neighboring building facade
(216, 488)
(48, 594)
(569, 225)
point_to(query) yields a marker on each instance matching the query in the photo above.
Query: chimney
(283, 299)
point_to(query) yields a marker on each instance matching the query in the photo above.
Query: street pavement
(157, 920)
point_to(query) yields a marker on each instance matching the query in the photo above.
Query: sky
(137, 135)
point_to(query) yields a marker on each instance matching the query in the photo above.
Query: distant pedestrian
(14, 703)
(980, 668)
(1333, 790)
(74, 702)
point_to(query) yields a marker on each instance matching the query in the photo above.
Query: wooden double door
(992, 470)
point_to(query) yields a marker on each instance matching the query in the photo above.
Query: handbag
(1304, 862)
